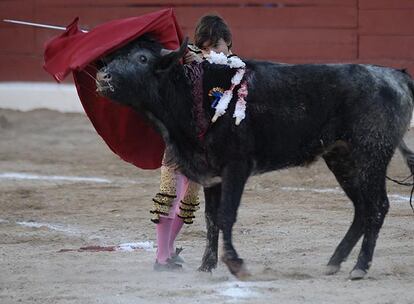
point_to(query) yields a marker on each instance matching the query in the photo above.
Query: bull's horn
(165, 52)
(171, 57)
(183, 45)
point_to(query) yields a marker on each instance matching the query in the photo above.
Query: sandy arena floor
(61, 188)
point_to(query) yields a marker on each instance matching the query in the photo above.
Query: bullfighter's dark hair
(212, 28)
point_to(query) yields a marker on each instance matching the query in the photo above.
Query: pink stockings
(177, 224)
(163, 239)
(169, 226)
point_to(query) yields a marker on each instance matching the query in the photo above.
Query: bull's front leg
(212, 197)
(234, 177)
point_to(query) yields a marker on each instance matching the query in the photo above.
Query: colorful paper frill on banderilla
(222, 99)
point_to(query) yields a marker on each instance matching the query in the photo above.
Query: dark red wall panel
(296, 44)
(390, 47)
(274, 17)
(206, 3)
(375, 31)
(381, 4)
(387, 21)
(22, 67)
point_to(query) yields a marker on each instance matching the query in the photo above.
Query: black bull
(353, 116)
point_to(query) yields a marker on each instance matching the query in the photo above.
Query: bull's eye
(142, 59)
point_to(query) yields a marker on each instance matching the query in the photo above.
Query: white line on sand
(399, 198)
(147, 245)
(396, 198)
(325, 190)
(237, 292)
(28, 176)
(128, 247)
(56, 227)
(242, 290)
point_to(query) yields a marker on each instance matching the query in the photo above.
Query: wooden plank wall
(297, 31)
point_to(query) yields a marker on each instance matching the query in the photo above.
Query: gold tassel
(163, 200)
(190, 204)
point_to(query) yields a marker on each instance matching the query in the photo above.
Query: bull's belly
(285, 158)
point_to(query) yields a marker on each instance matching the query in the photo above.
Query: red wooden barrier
(311, 44)
(372, 31)
(381, 4)
(390, 47)
(238, 3)
(387, 21)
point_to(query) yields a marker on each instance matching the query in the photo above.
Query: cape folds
(124, 131)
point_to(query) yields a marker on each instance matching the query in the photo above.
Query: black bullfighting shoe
(169, 266)
(175, 258)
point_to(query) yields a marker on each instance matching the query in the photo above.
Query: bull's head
(131, 73)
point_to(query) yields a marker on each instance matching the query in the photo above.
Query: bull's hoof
(208, 263)
(237, 268)
(357, 274)
(205, 268)
(332, 269)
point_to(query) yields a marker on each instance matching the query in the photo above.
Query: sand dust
(61, 188)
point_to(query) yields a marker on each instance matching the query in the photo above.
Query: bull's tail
(408, 155)
(411, 86)
(405, 151)
(410, 83)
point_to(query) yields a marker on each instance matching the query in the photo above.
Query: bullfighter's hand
(191, 57)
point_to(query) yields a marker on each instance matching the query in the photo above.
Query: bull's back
(297, 111)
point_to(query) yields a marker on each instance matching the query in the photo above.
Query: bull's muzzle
(103, 81)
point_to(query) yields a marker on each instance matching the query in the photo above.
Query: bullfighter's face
(130, 74)
(219, 47)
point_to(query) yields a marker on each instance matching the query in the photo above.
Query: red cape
(124, 130)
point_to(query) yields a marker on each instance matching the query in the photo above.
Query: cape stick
(48, 26)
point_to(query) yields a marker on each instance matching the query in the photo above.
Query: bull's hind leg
(349, 241)
(365, 186)
(210, 257)
(344, 169)
(376, 209)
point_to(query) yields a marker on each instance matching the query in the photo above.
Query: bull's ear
(169, 58)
